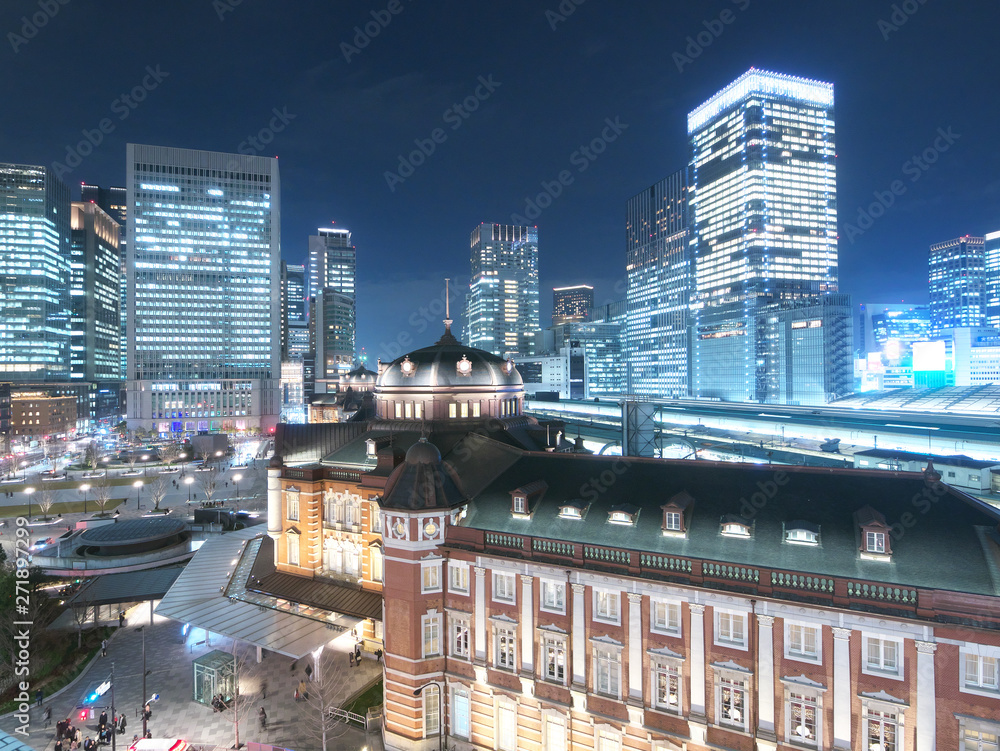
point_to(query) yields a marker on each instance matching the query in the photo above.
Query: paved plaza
(169, 657)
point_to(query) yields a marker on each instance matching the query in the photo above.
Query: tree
(245, 671)
(170, 454)
(322, 721)
(81, 609)
(102, 494)
(157, 490)
(46, 499)
(92, 457)
(131, 458)
(209, 482)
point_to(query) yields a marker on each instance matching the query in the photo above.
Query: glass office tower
(572, 304)
(96, 266)
(764, 221)
(502, 313)
(991, 257)
(957, 276)
(204, 297)
(333, 262)
(35, 306)
(114, 201)
(658, 265)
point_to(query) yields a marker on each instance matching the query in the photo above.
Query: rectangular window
(875, 542)
(555, 734)
(399, 410)
(460, 637)
(606, 606)
(460, 718)
(554, 659)
(432, 636)
(553, 596)
(730, 628)
(732, 702)
(293, 550)
(982, 672)
(666, 687)
(672, 521)
(503, 587)
(802, 641)
(465, 409)
(506, 727)
(432, 704)
(519, 505)
(475, 409)
(607, 672)
(881, 730)
(609, 741)
(802, 713)
(431, 578)
(882, 655)
(504, 649)
(458, 580)
(453, 410)
(418, 410)
(665, 617)
(293, 507)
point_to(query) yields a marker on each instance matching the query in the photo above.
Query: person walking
(38, 697)
(122, 725)
(104, 648)
(121, 619)
(262, 715)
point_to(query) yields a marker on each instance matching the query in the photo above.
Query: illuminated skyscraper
(957, 274)
(333, 262)
(114, 202)
(572, 304)
(34, 275)
(763, 220)
(96, 265)
(294, 321)
(991, 254)
(501, 313)
(658, 264)
(204, 290)
(334, 327)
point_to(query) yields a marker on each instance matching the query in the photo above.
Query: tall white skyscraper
(203, 290)
(991, 258)
(333, 262)
(957, 278)
(764, 222)
(502, 313)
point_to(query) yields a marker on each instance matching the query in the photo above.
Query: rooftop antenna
(447, 306)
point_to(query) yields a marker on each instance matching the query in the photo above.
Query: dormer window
(370, 447)
(625, 514)
(524, 499)
(464, 366)
(875, 542)
(736, 526)
(574, 509)
(674, 510)
(801, 533)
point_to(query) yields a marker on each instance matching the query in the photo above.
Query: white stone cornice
(579, 588)
(480, 571)
(696, 609)
(526, 579)
(841, 633)
(767, 621)
(634, 597)
(926, 647)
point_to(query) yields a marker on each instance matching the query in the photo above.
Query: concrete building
(764, 221)
(657, 336)
(333, 262)
(114, 202)
(204, 290)
(335, 331)
(991, 263)
(957, 283)
(572, 304)
(962, 472)
(502, 307)
(35, 305)
(562, 372)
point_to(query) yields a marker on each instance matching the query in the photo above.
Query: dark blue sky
(231, 64)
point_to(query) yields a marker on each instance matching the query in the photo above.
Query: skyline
(557, 89)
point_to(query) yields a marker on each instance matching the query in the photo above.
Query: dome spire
(447, 337)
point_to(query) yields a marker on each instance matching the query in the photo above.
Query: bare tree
(157, 490)
(102, 494)
(247, 679)
(323, 719)
(209, 482)
(81, 609)
(92, 457)
(170, 454)
(131, 458)
(46, 499)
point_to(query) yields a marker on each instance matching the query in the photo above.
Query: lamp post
(24, 471)
(138, 486)
(145, 466)
(236, 481)
(27, 493)
(188, 481)
(416, 692)
(142, 629)
(84, 487)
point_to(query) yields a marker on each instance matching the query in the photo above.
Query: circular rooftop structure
(449, 364)
(423, 452)
(132, 536)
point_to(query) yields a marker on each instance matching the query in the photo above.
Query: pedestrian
(77, 736)
(302, 690)
(357, 653)
(263, 689)
(147, 712)
(263, 718)
(59, 744)
(350, 658)
(104, 718)
(122, 724)
(47, 715)
(121, 619)
(38, 697)
(104, 648)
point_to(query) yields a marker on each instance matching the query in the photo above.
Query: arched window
(352, 560)
(377, 562)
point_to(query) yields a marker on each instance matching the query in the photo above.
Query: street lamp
(187, 481)
(416, 692)
(24, 470)
(236, 481)
(145, 458)
(145, 672)
(137, 485)
(84, 487)
(27, 493)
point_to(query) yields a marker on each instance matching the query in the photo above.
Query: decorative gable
(676, 513)
(875, 540)
(524, 499)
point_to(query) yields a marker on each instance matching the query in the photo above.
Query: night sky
(554, 78)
